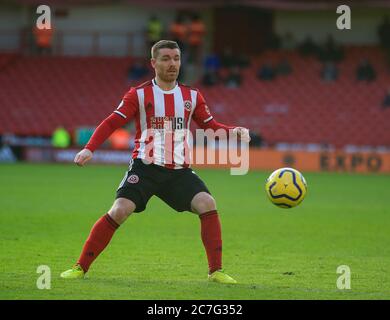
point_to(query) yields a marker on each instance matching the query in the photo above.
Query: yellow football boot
(221, 277)
(75, 273)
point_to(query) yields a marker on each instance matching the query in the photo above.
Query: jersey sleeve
(202, 113)
(126, 111)
(203, 117)
(128, 107)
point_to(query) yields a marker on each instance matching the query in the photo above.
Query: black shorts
(176, 187)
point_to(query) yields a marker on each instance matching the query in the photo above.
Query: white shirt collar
(164, 91)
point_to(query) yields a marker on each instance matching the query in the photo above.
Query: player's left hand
(243, 133)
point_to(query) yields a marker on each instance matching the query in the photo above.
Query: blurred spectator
(288, 41)
(256, 139)
(43, 40)
(154, 31)
(331, 51)
(266, 72)
(329, 72)
(386, 100)
(308, 47)
(120, 139)
(365, 71)
(384, 38)
(197, 30)
(61, 138)
(210, 78)
(243, 61)
(325, 146)
(283, 67)
(82, 135)
(212, 62)
(212, 66)
(234, 78)
(137, 71)
(179, 31)
(272, 41)
(228, 59)
(384, 32)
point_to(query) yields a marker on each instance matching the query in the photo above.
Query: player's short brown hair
(169, 44)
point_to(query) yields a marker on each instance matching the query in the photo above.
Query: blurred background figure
(197, 31)
(308, 47)
(234, 78)
(330, 51)
(61, 138)
(137, 71)
(178, 31)
(120, 139)
(329, 72)
(273, 41)
(288, 41)
(256, 139)
(154, 30)
(228, 59)
(43, 40)
(384, 32)
(365, 71)
(266, 72)
(212, 66)
(283, 68)
(386, 100)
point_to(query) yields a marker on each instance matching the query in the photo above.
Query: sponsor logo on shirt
(167, 123)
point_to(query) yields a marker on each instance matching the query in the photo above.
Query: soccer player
(160, 162)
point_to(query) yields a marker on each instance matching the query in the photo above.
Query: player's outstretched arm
(102, 132)
(205, 120)
(242, 133)
(83, 157)
(125, 112)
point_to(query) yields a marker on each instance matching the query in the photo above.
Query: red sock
(211, 237)
(99, 237)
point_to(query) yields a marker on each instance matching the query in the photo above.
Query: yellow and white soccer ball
(286, 187)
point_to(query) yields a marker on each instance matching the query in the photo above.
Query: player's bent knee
(203, 202)
(121, 210)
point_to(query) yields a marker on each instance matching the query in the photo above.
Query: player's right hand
(82, 157)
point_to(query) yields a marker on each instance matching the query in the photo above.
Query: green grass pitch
(46, 212)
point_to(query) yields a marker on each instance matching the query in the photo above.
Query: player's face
(167, 64)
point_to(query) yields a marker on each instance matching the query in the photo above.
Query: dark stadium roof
(270, 4)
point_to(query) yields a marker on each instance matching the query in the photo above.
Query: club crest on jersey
(187, 105)
(133, 179)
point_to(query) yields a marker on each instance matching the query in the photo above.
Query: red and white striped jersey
(163, 120)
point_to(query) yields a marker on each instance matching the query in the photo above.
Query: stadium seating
(39, 94)
(302, 108)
